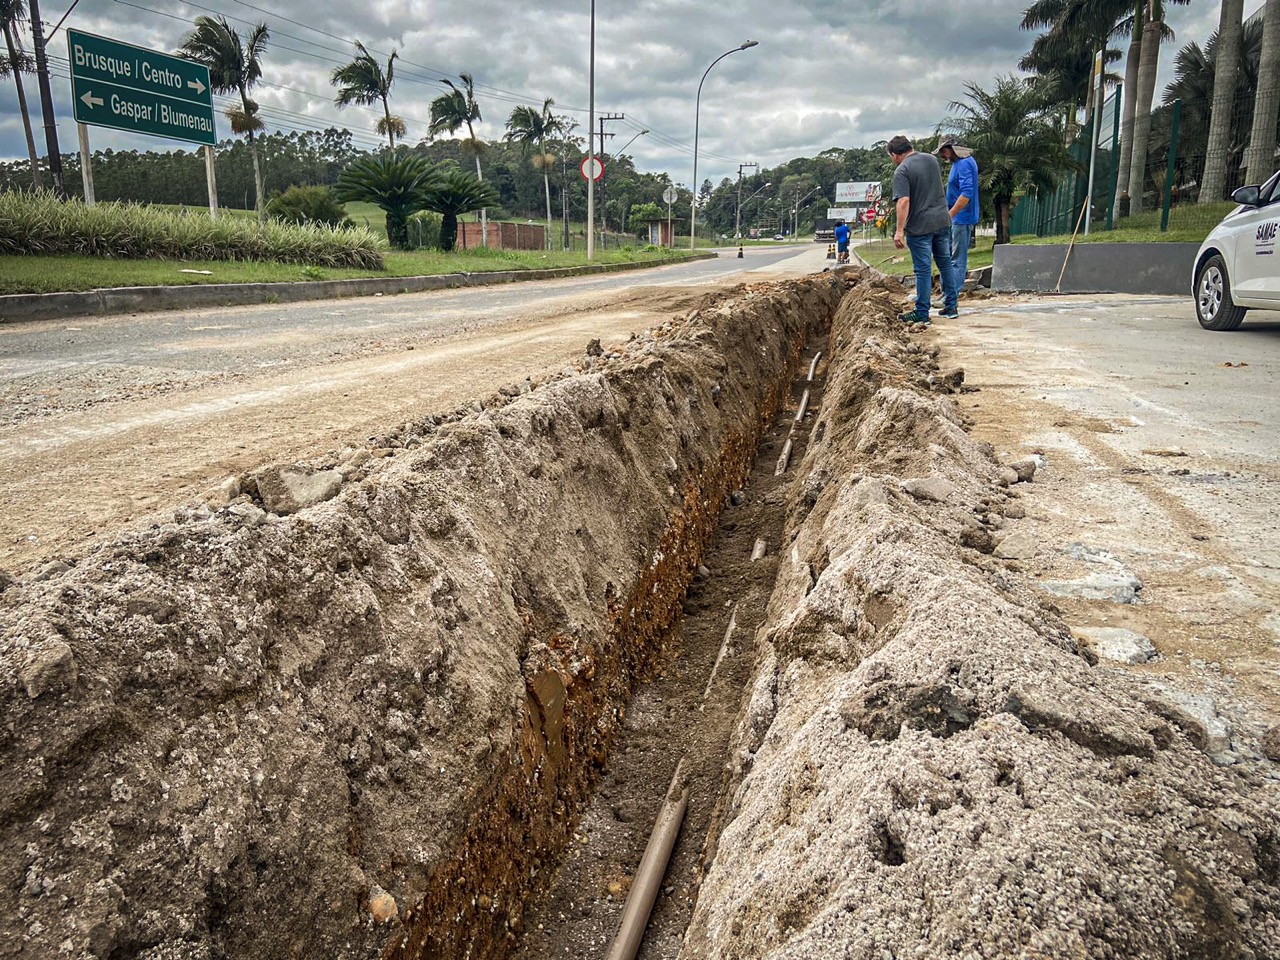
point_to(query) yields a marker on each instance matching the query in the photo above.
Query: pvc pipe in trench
(653, 865)
(813, 367)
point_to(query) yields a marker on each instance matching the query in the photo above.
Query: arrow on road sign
(196, 85)
(90, 100)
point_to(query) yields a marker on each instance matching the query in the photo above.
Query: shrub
(424, 230)
(308, 205)
(398, 183)
(40, 223)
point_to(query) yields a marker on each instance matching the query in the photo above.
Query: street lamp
(737, 220)
(697, 106)
(795, 211)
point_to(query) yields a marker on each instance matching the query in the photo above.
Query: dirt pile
(928, 766)
(366, 726)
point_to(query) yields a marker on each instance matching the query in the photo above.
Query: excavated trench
(434, 716)
(367, 727)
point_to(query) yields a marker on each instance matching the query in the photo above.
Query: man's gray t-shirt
(919, 178)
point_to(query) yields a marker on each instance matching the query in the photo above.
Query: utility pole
(46, 102)
(604, 210)
(737, 217)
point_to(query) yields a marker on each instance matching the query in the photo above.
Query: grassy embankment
(1187, 224)
(124, 245)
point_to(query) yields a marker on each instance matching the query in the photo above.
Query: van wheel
(1214, 307)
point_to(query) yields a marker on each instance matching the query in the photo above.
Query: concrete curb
(1140, 268)
(107, 301)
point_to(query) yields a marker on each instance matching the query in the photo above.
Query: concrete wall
(1161, 268)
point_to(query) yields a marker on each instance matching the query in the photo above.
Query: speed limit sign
(592, 168)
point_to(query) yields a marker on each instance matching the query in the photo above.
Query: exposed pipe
(724, 648)
(653, 865)
(804, 406)
(813, 367)
(758, 551)
(784, 459)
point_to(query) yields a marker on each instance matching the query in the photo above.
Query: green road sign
(118, 85)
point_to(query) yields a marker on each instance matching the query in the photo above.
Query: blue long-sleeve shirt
(963, 180)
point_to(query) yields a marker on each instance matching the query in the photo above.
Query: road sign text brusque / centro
(118, 85)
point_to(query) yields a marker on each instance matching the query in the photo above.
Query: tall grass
(40, 223)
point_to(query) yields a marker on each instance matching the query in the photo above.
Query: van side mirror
(1249, 196)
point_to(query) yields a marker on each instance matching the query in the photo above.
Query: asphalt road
(108, 422)
(219, 339)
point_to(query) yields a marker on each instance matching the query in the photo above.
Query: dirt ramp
(927, 766)
(366, 726)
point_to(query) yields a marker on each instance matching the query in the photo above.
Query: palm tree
(399, 184)
(1260, 161)
(364, 82)
(234, 67)
(12, 13)
(456, 109)
(1153, 32)
(527, 127)
(455, 193)
(1226, 66)
(1193, 84)
(1089, 23)
(1016, 136)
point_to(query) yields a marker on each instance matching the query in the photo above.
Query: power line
(493, 92)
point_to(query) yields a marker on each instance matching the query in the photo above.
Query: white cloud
(826, 72)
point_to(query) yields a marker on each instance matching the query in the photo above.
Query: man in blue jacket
(962, 202)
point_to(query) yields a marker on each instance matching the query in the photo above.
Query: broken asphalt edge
(108, 301)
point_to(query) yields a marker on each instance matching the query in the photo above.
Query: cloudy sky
(826, 72)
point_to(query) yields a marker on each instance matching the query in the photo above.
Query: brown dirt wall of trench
(365, 728)
(927, 766)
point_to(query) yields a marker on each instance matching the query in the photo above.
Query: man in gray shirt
(924, 226)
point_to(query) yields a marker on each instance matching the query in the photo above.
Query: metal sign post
(669, 195)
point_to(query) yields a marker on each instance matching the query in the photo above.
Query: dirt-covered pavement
(1159, 447)
(107, 422)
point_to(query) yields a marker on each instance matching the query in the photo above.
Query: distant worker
(923, 226)
(842, 242)
(962, 202)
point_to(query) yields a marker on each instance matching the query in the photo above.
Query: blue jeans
(938, 246)
(961, 237)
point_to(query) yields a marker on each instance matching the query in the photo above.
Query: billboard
(861, 192)
(848, 214)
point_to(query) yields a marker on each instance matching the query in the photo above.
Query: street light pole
(749, 199)
(604, 206)
(737, 217)
(591, 149)
(697, 106)
(795, 211)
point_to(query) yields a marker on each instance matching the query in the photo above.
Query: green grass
(40, 224)
(1188, 223)
(884, 256)
(52, 274)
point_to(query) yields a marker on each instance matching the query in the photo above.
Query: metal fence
(1060, 210)
(1171, 195)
